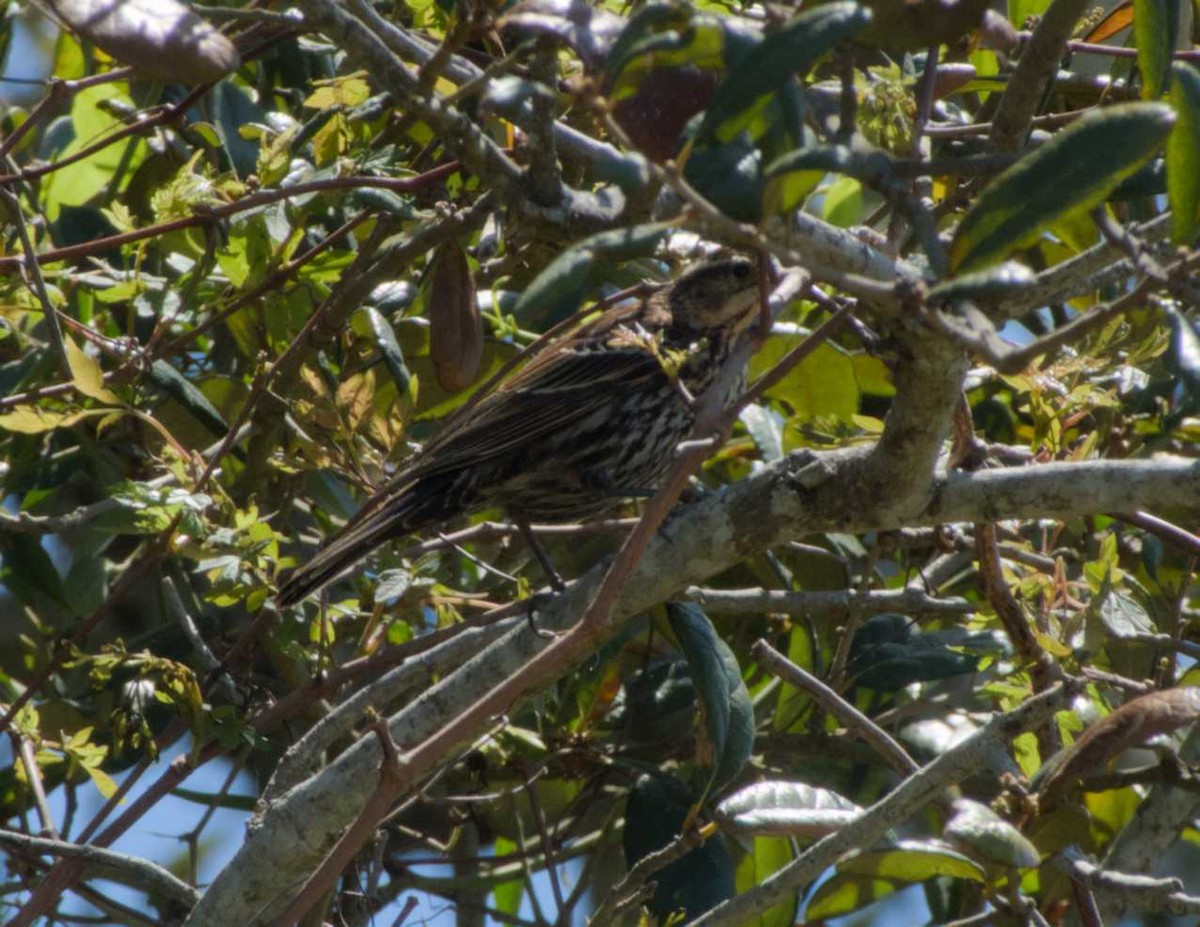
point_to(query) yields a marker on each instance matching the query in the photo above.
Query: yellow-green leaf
(87, 376)
(1183, 153)
(103, 781)
(1072, 172)
(30, 420)
(343, 91)
(1154, 32)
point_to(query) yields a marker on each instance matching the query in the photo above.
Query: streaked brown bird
(591, 420)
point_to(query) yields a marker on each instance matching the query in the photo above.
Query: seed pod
(456, 327)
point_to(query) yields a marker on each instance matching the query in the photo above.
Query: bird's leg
(557, 583)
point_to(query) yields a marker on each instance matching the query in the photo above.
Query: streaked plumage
(594, 415)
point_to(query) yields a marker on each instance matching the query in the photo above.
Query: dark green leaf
(729, 176)
(188, 395)
(643, 26)
(790, 50)
(887, 654)
(1009, 278)
(1148, 180)
(657, 703)
(565, 282)
(218, 799)
(1124, 617)
(728, 712)
(654, 816)
(27, 571)
(392, 585)
(389, 349)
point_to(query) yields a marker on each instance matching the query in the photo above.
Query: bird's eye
(741, 271)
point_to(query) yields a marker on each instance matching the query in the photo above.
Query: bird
(592, 420)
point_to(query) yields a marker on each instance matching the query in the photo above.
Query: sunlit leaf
(1183, 153)
(1072, 172)
(1154, 24)
(87, 376)
(789, 50)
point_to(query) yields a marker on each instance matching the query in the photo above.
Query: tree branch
(145, 874)
(799, 495)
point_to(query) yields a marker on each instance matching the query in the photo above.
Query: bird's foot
(537, 602)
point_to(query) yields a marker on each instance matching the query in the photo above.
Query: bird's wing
(557, 390)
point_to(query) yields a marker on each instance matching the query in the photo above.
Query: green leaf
(664, 35)
(1183, 154)
(729, 176)
(995, 283)
(245, 803)
(26, 569)
(728, 712)
(789, 809)
(392, 585)
(989, 837)
(1072, 172)
(1124, 617)
(188, 395)
(766, 857)
(701, 46)
(565, 282)
(30, 420)
(655, 813)
(507, 895)
(1020, 10)
(793, 176)
(913, 861)
(843, 202)
(764, 428)
(76, 184)
(1154, 26)
(865, 877)
(790, 50)
(389, 349)
(144, 509)
(893, 663)
(346, 92)
(824, 384)
(87, 376)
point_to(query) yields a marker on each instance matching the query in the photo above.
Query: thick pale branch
(900, 469)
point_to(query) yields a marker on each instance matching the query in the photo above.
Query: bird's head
(720, 295)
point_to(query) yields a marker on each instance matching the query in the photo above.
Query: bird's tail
(402, 511)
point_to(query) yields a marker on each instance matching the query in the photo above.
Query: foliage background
(255, 291)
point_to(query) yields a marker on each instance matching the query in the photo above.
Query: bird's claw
(536, 603)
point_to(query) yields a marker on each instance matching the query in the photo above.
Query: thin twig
(888, 747)
(257, 200)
